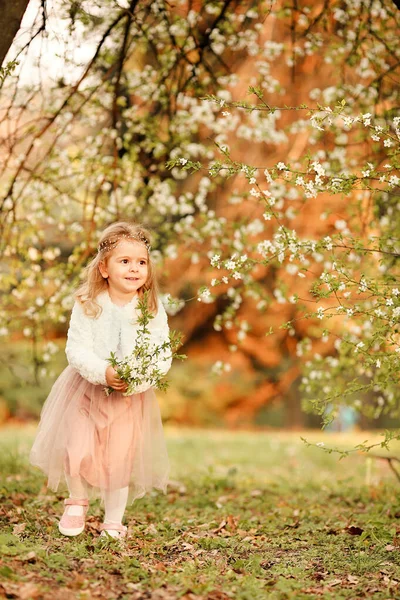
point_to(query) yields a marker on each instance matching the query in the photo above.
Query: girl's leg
(115, 503)
(77, 490)
(72, 521)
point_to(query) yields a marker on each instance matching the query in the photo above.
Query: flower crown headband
(109, 244)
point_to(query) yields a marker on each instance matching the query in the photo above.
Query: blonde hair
(94, 283)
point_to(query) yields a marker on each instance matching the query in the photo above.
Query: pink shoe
(73, 524)
(114, 530)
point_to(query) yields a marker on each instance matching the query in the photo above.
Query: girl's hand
(114, 381)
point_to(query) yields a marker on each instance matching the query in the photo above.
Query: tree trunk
(11, 14)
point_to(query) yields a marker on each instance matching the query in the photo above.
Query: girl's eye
(125, 260)
(142, 262)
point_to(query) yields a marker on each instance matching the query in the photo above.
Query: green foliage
(7, 70)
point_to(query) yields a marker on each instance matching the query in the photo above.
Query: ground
(248, 515)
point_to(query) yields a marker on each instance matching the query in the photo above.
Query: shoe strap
(74, 501)
(113, 527)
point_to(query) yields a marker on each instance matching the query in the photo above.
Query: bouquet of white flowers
(141, 369)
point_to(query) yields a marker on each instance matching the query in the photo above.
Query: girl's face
(126, 267)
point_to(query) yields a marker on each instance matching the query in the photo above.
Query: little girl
(108, 446)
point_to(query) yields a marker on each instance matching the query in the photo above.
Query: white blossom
(204, 295)
(366, 118)
(268, 176)
(33, 254)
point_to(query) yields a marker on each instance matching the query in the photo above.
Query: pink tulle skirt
(110, 442)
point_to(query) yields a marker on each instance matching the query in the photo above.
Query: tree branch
(390, 459)
(11, 14)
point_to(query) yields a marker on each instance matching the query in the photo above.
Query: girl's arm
(80, 348)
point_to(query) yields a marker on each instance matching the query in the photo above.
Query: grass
(248, 515)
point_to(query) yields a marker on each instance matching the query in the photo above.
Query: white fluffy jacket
(91, 341)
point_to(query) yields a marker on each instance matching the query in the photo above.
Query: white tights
(114, 500)
(115, 504)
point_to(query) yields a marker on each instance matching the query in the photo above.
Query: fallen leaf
(133, 586)
(19, 528)
(242, 532)
(30, 557)
(18, 499)
(220, 526)
(217, 595)
(187, 546)
(223, 499)
(353, 530)
(205, 525)
(334, 582)
(92, 525)
(293, 525)
(80, 580)
(312, 590)
(267, 564)
(9, 589)
(28, 591)
(151, 529)
(232, 522)
(189, 595)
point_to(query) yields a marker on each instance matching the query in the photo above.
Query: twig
(390, 460)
